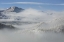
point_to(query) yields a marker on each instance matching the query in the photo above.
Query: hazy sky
(57, 5)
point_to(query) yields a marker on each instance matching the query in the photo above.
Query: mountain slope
(13, 9)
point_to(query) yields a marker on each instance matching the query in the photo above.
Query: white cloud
(31, 32)
(35, 3)
(23, 3)
(28, 3)
(59, 4)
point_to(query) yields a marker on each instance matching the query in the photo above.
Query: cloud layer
(34, 32)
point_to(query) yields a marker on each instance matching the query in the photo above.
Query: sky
(57, 5)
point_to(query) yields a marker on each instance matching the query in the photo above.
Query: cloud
(32, 32)
(59, 4)
(34, 3)
(23, 3)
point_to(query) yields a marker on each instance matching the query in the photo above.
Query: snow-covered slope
(10, 12)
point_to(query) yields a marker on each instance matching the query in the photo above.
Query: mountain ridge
(12, 9)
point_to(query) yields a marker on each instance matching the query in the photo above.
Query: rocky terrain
(3, 26)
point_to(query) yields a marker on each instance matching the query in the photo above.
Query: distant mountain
(3, 16)
(13, 9)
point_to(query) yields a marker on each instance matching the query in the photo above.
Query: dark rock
(1, 11)
(2, 26)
